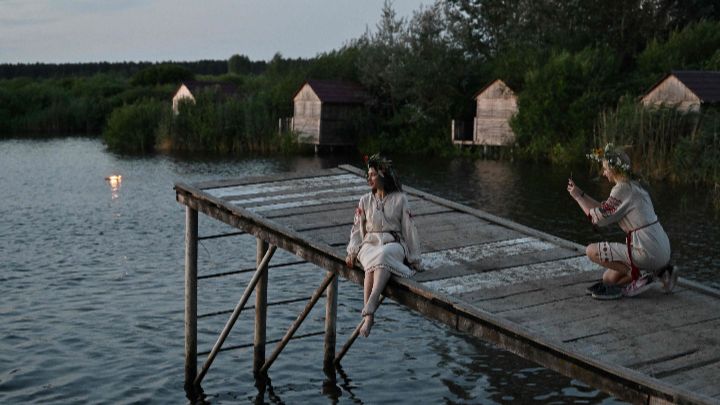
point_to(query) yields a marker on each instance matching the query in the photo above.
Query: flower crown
(380, 162)
(612, 155)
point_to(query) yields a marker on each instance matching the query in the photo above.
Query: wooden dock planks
(513, 285)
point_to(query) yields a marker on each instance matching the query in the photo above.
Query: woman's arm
(614, 208)
(585, 202)
(357, 233)
(410, 234)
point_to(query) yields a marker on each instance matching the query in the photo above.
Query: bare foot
(367, 325)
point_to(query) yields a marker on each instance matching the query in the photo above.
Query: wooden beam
(353, 336)
(330, 327)
(262, 267)
(191, 256)
(295, 325)
(260, 310)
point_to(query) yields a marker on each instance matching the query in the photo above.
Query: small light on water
(114, 182)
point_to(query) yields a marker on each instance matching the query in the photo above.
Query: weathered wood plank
(575, 281)
(317, 200)
(701, 379)
(349, 205)
(508, 276)
(595, 327)
(299, 199)
(491, 256)
(343, 216)
(306, 184)
(222, 183)
(294, 192)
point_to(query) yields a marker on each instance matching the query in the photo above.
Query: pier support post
(330, 326)
(298, 321)
(262, 267)
(353, 337)
(191, 243)
(260, 310)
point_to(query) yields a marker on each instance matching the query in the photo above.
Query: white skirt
(381, 251)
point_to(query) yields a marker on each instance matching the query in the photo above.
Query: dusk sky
(65, 31)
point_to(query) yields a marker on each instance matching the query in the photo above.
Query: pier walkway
(517, 287)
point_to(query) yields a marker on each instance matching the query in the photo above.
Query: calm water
(91, 285)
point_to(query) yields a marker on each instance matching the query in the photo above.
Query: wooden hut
(685, 90)
(326, 112)
(191, 89)
(495, 104)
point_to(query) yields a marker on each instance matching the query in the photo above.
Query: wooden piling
(191, 242)
(330, 326)
(262, 267)
(294, 327)
(260, 310)
(353, 337)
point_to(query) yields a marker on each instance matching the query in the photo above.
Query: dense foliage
(577, 68)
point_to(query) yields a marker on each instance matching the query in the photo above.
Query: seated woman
(383, 237)
(646, 246)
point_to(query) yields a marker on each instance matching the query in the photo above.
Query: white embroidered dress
(629, 206)
(384, 235)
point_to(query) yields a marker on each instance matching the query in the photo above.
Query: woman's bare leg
(380, 279)
(367, 287)
(617, 273)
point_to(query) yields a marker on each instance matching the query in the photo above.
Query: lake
(91, 283)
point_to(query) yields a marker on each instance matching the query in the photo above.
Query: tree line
(577, 68)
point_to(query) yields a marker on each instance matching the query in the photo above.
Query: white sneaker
(638, 286)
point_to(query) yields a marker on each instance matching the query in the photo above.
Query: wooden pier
(517, 287)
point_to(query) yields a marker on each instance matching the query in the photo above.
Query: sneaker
(669, 278)
(608, 292)
(638, 286)
(595, 287)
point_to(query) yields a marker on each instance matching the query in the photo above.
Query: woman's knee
(592, 252)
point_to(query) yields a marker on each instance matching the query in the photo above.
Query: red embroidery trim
(609, 206)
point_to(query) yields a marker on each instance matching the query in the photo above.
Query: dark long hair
(391, 181)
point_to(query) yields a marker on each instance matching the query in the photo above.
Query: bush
(561, 99)
(132, 128)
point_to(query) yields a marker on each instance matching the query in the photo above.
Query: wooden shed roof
(336, 91)
(705, 84)
(481, 91)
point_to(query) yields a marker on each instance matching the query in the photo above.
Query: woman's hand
(417, 267)
(575, 191)
(350, 261)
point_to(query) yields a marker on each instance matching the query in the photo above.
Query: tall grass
(224, 125)
(665, 143)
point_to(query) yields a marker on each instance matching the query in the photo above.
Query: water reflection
(129, 339)
(114, 181)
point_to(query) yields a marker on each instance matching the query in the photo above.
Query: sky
(70, 31)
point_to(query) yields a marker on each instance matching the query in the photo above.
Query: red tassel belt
(634, 271)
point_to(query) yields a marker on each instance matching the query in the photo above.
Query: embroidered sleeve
(614, 208)
(357, 233)
(410, 234)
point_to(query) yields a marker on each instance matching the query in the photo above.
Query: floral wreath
(612, 155)
(384, 168)
(382, 163)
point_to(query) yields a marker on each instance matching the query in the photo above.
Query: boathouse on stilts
(495, 105)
